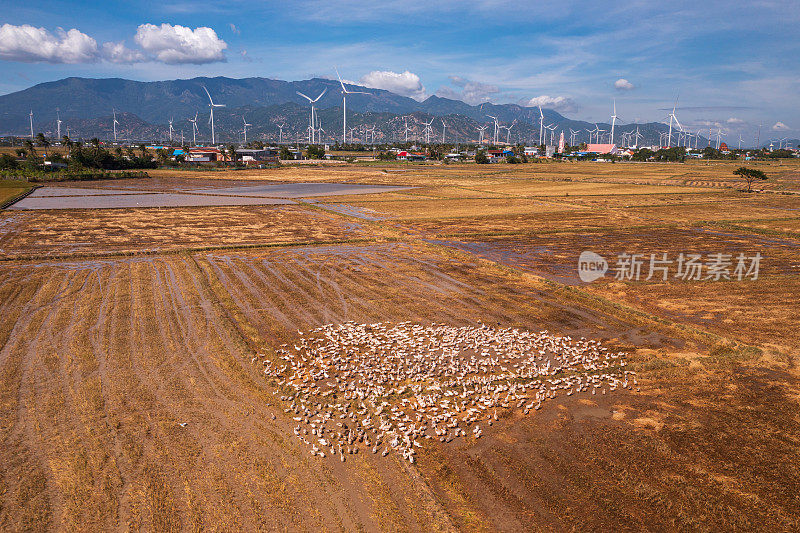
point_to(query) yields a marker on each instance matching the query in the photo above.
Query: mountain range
(144, 109)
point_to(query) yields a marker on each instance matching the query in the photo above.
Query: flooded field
(120, 198)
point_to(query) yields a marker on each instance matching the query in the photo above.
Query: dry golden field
(129, 398)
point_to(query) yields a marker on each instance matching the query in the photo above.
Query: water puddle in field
(124, 197)
(358, 212)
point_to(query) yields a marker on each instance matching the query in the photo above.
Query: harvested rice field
(421, 359)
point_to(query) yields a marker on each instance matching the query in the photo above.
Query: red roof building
(602, 148)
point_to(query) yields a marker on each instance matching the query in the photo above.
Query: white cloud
(623, 85)
(234, 29)
(179, 44)
(734, 120)
(780, 126)
(119, 53)
(473, 92)
(558, 103)
(32, 45)
(404, 83)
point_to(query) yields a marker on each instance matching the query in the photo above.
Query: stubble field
(129, 397)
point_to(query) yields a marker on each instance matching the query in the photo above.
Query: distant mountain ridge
(145, 108)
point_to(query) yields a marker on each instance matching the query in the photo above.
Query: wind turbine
(245, 129)
(720, 134)
(740, 141)
(312, 102)
(319, 131)
(541, 126)
(481, 129)
(637, 136)
(31, 115)
(406, 129)
(508, 130)
(212, 105)
(58, 125)
(115, 123)
(280, 134)
(428, 129)
(572, 134)
(613, 121)
(444, 129)
(671, 118)
(552, 129)
(170, 130)
(345, 92)
(496, 128)
(597, 133)
(194, 129)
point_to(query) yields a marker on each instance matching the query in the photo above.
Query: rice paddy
(188, 367)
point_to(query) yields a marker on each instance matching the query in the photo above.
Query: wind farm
(399, 268)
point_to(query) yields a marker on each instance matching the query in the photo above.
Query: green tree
(7, 162)
(232, 153)
(480, 157)
(285, 154)
(315, 152)
(41, 140)
(750, 175)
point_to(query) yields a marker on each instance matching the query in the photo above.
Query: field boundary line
(11, 201)
(177, 251)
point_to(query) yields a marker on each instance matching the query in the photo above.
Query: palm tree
(232, 153)
(41, 140)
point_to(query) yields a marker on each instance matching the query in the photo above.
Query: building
(602, 149)
(531, 151)
(265, 155)
(411, 156)
(497, 156)
(204, 155)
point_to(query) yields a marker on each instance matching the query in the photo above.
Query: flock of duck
(389, 387)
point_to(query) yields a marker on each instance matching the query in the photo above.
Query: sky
(730, 65)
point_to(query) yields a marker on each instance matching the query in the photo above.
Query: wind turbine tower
(541, 127)
(481, 129)
(194, 129)
(496, 129)
(313, 115)
(614, 121)
(31, 116)
(671, 118)
(345, 92)
(212, 105)
(245, 129)
(115, 122)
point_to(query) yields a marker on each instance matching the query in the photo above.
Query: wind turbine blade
(304, 96)
(208, 94)
(340, 79)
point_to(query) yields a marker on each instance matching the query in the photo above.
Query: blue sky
(732, 64)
